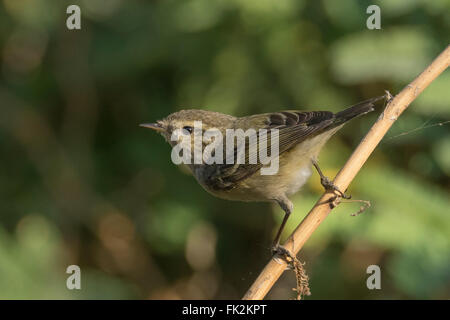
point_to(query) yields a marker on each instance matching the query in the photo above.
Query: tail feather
(357, 110)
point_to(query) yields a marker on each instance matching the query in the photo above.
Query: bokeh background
(81, 183)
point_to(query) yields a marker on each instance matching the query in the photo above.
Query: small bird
(302, 134)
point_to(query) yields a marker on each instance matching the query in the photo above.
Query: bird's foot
(279, 250)
(302, 278)
(338, 194)
(327, 183)
(330, 186)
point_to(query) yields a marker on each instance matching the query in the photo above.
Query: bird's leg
(327, 183)
(276, 241)
(287, 207)
(281, 252)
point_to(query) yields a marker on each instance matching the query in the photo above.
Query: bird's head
(187, 121)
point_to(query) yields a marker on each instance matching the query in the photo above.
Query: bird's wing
(293, 128)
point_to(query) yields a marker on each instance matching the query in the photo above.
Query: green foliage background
(81, 183)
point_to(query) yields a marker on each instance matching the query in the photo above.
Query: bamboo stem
(321, 209)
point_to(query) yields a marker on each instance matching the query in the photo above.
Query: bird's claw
(293, 263)
(330, 186)
(278, 251)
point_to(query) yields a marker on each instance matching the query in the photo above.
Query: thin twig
(320, 211)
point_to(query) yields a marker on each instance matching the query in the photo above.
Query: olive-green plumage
(302, 134)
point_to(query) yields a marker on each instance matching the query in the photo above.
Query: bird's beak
(154, 126)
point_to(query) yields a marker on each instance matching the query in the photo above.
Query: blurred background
(81, 183)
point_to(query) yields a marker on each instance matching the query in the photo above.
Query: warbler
(301, 136)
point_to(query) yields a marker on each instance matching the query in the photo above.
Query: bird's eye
(188, 129)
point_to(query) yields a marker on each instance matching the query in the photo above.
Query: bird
(301, 136)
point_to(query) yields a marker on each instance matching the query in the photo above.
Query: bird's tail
(357, 110)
